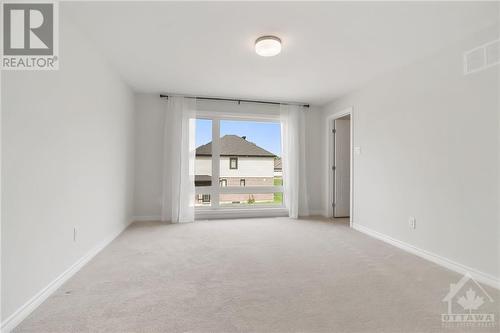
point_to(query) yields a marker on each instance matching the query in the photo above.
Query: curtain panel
(293, 133)
(179, 148)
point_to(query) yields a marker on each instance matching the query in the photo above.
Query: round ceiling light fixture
(268, 46)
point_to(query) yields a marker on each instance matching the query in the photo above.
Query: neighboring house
(242, 163)
(278, 169)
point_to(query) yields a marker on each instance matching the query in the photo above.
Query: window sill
(229, 213)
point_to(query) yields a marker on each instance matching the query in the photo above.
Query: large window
(236, 164)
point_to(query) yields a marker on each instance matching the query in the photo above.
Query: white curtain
(294, 160)
(179, 149)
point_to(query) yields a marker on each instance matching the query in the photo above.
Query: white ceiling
(328, 48)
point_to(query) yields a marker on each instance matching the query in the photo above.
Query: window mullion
(215, 162)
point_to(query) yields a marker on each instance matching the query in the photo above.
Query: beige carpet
(253, 275)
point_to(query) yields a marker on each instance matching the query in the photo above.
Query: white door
(342, 169)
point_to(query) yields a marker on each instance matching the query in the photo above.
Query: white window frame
(215, 189)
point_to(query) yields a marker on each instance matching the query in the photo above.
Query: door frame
(331, 159)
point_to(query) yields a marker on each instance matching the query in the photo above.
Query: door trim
(331, 159)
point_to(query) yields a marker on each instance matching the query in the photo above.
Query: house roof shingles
(233, 145)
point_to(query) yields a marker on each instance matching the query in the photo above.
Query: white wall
(315, 156)
(67, 161)
(430, 144)
(148, 154)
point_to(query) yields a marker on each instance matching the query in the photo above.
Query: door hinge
(334, 168)
(334, 131)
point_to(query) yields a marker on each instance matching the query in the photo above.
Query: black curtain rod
(238, 100)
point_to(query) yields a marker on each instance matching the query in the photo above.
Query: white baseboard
(25, 310)
(477, 275)
(146, 218)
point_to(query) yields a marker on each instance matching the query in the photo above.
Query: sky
(266, 135)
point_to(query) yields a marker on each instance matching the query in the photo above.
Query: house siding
(247, 167)
(249, 181)
(256, 171)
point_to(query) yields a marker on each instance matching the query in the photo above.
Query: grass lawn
(278, 197)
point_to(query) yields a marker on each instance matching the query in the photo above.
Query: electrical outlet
(74, 234)
(412, 222)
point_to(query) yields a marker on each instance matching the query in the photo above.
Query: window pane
(249, 153)
(203, 163)
(202, 200)
(233, 163)
(245, 199)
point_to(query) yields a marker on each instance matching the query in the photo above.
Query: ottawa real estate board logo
(30, 35)
(469, 305)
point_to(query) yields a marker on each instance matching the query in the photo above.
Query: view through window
(247, 158)
(203, 163)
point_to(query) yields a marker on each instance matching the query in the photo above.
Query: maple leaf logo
(470, 301)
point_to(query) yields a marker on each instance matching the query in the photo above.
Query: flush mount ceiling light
(268, 46)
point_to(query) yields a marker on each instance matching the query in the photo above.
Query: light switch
(357, 150)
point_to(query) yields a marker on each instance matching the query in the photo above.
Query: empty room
(250, 166)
